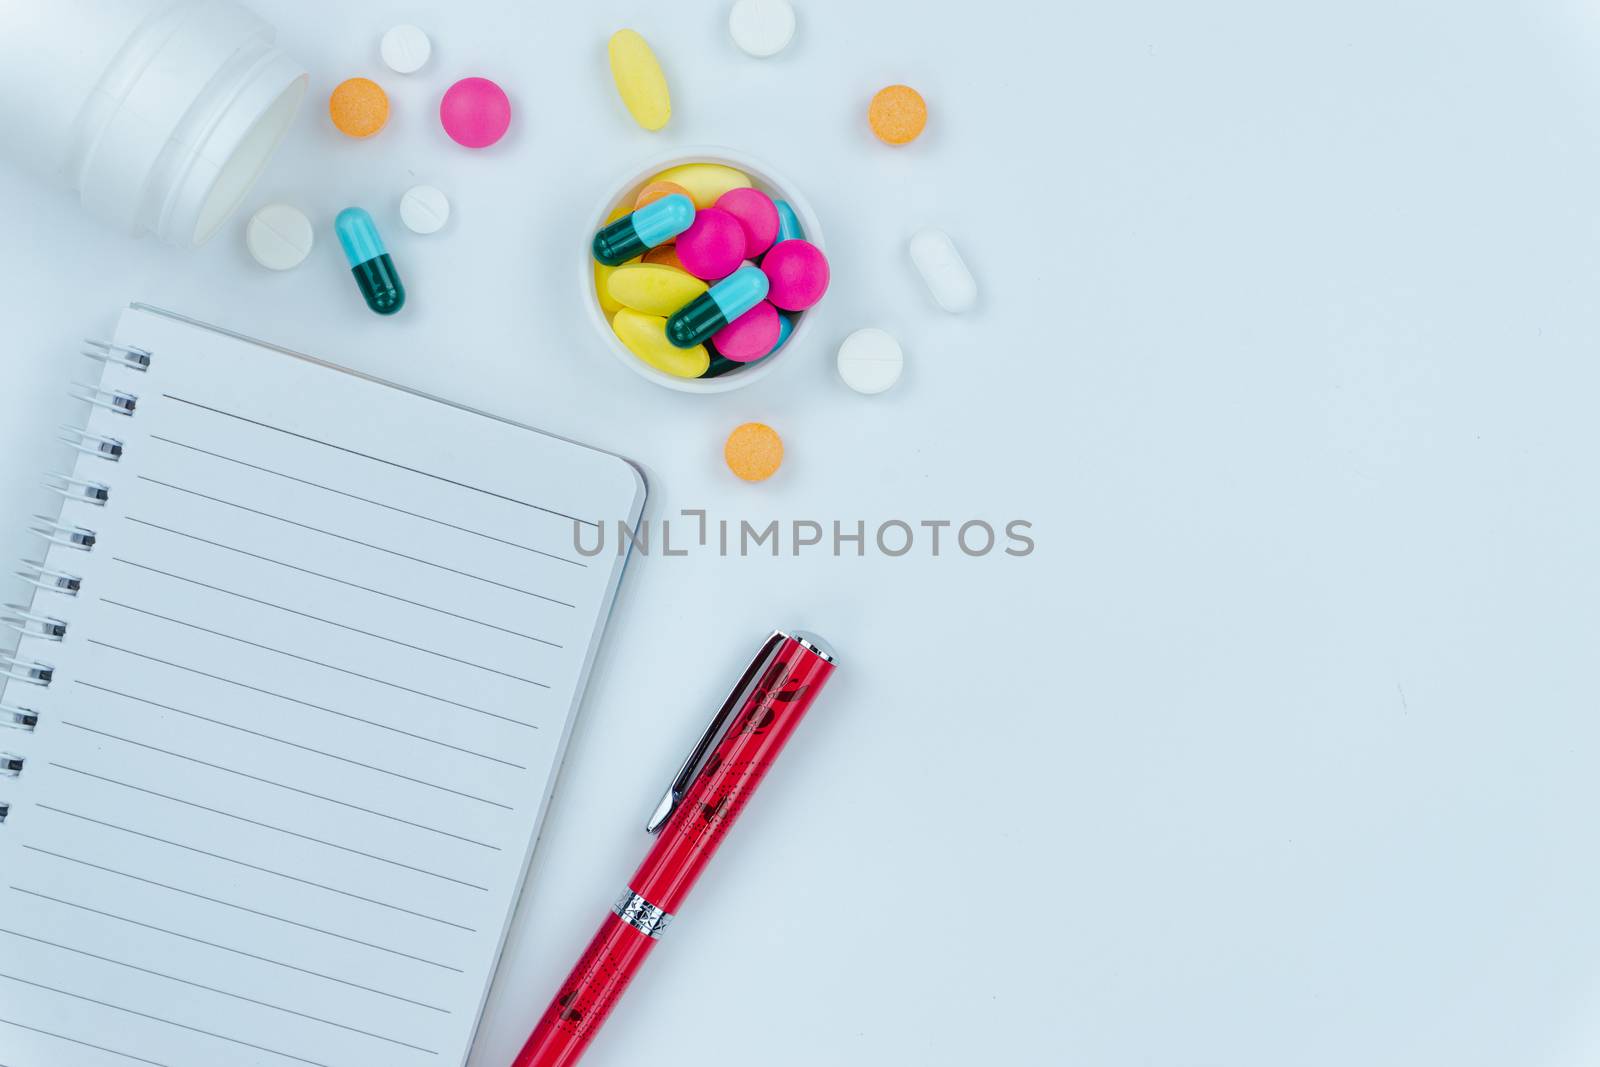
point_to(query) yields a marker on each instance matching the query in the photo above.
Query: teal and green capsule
(638, 232)
(369, 261)
(717, 306)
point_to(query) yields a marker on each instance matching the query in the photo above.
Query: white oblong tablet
(762, 27)
(279, 236)
(939, 262)
(870, 360)
(424, 209)
(405, 48)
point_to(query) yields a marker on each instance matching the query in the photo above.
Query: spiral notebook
(303, 654)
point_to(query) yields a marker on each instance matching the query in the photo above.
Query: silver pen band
(640, 914)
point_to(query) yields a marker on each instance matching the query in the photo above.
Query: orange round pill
(359, 107)
(898, 114)
(754, 451)
(666, 254)
(656, 190)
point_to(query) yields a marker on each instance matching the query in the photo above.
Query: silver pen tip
(814, 643)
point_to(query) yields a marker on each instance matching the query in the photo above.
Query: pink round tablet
(798, 273)
(475, 112)
(757, 215)
(713, 246)
(751, 335)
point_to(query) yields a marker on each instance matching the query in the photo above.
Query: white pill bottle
(159, 113)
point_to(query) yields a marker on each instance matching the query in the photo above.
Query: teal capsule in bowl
(639, 231)
(788, 223)
(716, 307)
(369, 261)
(785, 328)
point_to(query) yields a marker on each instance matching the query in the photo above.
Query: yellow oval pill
(640, 82)
(646, 337)
(602, 273)
(706, 182)
(754, 451)
(358, 107)
(653, 288)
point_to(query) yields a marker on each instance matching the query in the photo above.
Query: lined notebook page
(304, 721)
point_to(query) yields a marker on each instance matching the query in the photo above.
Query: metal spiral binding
(117, 355)
(60, 531)
(81, 489)
(16, 717)
(114, 400)
(33, 671)
(32, 624)
(92, 444)
(36, 574)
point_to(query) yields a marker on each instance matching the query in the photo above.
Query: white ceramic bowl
(765, 179)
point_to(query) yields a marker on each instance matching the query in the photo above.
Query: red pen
(707, 795)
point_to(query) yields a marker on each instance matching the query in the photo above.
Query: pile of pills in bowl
(702, 273)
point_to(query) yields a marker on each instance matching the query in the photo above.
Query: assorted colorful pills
(699, 271)
(475, 112)
(701, 260)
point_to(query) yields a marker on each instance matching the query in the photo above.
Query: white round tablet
(406, 48)
(870, 360)
(762, 27)
(279, 236)
(424, 209)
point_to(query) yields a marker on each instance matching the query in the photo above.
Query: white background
(1281, 747)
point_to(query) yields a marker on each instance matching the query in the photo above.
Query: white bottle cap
(161, 114)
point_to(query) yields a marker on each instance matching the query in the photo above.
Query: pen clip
(713, 734)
